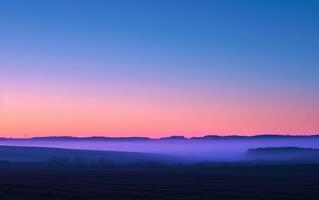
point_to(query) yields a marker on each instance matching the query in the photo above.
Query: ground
(38, 181)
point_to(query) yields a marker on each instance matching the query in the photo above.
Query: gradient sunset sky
(158, 68)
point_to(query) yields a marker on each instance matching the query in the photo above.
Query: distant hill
(174, 138)
(207, 137)
(44, 154)
(284, 153)
(94, 138)
(271, 150)
(266, 136)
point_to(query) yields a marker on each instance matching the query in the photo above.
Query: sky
(158, 68)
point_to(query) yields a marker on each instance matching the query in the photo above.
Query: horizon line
(164, 137)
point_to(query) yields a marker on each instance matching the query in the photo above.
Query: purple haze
(195, 149)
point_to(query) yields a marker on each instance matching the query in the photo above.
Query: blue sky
(257, 50)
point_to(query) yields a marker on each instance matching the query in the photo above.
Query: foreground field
(236, 181)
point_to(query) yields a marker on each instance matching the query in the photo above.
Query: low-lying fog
(195, 150)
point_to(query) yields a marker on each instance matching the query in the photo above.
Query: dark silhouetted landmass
(95, 138)
(174, 138)
(285, 153)
(283, 150)
(44, 154)
(37, 173)
(207, 137)
(266, 136)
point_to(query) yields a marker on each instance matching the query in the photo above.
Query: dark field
(229, 181)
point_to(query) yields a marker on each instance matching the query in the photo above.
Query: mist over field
(197, 150)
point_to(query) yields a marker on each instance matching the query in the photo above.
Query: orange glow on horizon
(43, 113)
